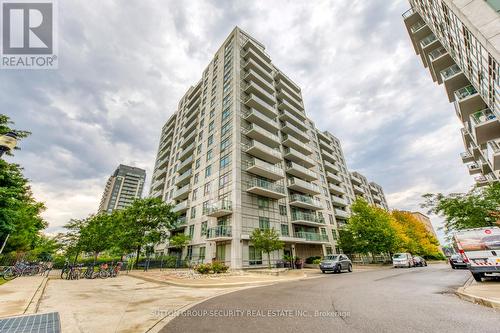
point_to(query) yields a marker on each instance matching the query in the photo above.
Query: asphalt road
(387, 300)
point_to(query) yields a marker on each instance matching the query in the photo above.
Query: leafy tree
(146, 221)
(70, 241)
(97, 233)
(475, 209)
(179, 241)
(371, 228)
(266, 240)
(45, 248)
(5, 124)
(347, 241)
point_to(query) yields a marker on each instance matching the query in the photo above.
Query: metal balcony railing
(465, 92)
(450, 71)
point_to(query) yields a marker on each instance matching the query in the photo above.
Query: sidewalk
(21, 295)
(486, 293)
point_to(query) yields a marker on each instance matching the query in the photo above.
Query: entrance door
(220, 252)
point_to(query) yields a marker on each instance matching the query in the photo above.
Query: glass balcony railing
(483, 116)
(266, 166)
(304, 184)
(434, 54)
(450, 71)
(305, 199)
(221, 205)
(311, 236)
(181, 222)
(219, 231)
(408, 13)
(427, 40)
(267, 185)
(465, 92)
(417, 26)
(302, 216)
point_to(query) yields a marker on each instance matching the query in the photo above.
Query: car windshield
(330, 257)
(399, 256)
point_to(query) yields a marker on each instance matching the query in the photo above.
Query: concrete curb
(220, 285)
(32, 307)
(463, 294)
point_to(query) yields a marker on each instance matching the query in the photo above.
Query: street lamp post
(8, 142)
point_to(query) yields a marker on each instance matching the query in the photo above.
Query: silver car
(335, 263)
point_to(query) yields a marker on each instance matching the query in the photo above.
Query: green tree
(179, 241)
(5, 127)
(371, 229)
(70, 241)
(97, 234)
(145, 222)
(266, 240)
(475, 209)
(45, 248)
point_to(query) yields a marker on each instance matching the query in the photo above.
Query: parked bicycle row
(91, 271)
(22, 268)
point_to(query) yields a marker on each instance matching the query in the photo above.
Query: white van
(403, 260)
(480, 249)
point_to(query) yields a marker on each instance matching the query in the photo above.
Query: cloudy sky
(124, 65)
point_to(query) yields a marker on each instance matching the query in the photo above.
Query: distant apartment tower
(370, 191)
(122, 188)
(458, 41)
(426, 221)
(240, 154)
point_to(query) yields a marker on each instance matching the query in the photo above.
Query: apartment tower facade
(240, 154)
(458, 42)
(122, 188)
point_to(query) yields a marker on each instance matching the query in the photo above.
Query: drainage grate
(40, 323)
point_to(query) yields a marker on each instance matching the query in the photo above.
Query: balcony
(486, 126)
(266, 188)
(300, 171)
(466, 157)
(303, 186)
(264, 169)
(191, 122)
(335, 189)
(358, 189)
(326, 145)
(304, 201)
(468, 101)
(221, 232)
(428, 41)
(331, 166)
(296, 156)
(332, 178)
(341, 213)
(291, 141)
(377, 199)
(161, 163)
(440, 59)
(338, 201)
(181, 207)
(493, 153)
(282, 77)
(284, 95)
(299, 217)
(356, 180)
(485, 180)
(254, 88)
(454, 79)
(182, 193)
(285, 105)
(280, 84)
(189, 137)
(311, 236)
(260, 150)
(158, 185)
(256, 53)
(288, 128)
(329, 157)
(251, 64)
(290, 117)
(262, 135)
(262, 120)
(418, 26)
(186, 164)
(257, 103)
(159, 172)
(218, 209)
(179, 224)
(189, 149)
(473, 168)
(184, 178)
(263, 82)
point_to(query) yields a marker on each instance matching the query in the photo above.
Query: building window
(254, 256)
(211, 126)
(282, 210)
(225, 161)
(209, 155)
(208, 171)
(263, 203)
(224, 180)
(197, 164)
(201, 256)
(193, 212)
(225, 128)
(226, 113)
(198, 150)
(330, 218)
(284, 230)
(210, 140)
(195, 192)
(263, 222)
(212, 113)
(189, 254)
(191, 231)
(329, 250)
(206, 189)
(226, 143)
(334, 234)
(200, 136)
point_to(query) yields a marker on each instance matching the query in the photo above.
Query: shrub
(219, 267)
(310, 260)
(316, 261)
(203, 268)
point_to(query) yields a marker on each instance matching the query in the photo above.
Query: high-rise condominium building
(123, 186)
(241, 154)
(458, 41)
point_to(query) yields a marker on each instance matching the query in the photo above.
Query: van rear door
(480, 246)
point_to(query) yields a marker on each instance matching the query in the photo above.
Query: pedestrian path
(19, 296)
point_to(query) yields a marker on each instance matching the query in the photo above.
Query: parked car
(403, 260)
(457, 261)
(335, 263)
(419, 261)
(480, 250)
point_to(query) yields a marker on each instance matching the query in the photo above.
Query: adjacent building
(240, 153)
(122, 188)
(458, 42)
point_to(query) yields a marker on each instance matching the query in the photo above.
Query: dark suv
(456, 260)
(335, 263)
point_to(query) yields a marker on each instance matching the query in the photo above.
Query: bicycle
(11, 272)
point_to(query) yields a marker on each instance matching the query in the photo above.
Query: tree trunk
(96, 254)
(137, 256)
(268, 260)
(76, 257)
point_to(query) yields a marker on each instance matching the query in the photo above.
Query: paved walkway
(19, 296)
(486, 293)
